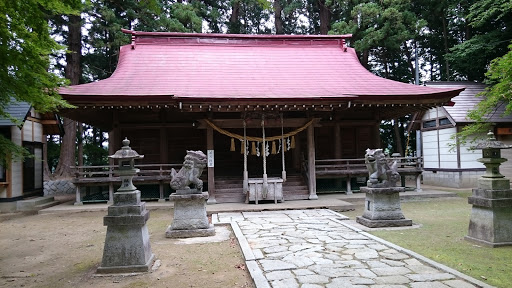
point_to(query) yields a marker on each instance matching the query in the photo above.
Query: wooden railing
(106, 175)
(332, 167)
(351, 168)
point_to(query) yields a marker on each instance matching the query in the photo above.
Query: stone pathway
(315, 249)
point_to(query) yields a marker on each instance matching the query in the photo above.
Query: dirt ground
(64, 250)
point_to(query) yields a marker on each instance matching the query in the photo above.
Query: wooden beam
(238, 123)
(211, 170)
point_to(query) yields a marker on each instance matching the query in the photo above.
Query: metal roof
(220, 67)
(18, 111)
(467, 100)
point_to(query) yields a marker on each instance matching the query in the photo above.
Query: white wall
(506, 168)
(16, 180)
(430, 150)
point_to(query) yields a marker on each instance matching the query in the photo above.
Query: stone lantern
(491, 214)
(127, 247)
(126, 169)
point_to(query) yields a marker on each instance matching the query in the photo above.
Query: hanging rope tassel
(253, 148)
(293, 142)
(274, 149)
(232, 148)
(242, 147)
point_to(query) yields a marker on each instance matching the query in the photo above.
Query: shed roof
(18, 111)
(215, 67)
(467, 100)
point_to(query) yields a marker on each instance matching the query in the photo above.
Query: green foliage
(490, 23)
(498, 93)
(17, 152)
(26, 48)
(53, 152)
(380, 31)
(95, 146)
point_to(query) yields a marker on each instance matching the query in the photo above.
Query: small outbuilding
(27, 128)
(447, 161)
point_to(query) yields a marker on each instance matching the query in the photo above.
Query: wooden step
(229, 189)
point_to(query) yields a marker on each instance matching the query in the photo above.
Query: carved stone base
(171, 233)
(383, 223)
(190, 219)
(382, 208)
(491, 217)
(126, 232)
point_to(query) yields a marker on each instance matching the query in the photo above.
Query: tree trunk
(67, 151)
(73, 73)
(234, 21)
(325, 17)
(398, 138)
(80, 144)
(364, 58)
(47, 174)
(278, 20)
(446, 48)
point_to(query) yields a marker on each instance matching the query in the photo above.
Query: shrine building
(294, 100)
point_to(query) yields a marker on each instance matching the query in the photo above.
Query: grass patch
(444, 223)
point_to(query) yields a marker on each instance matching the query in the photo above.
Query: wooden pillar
(163, 160)
(337, 155)
(311, 163)
(337, 141)
(114, 143)
(113, 136)
(211, 175)
(296, 154)
(376, 132)
(418, 183)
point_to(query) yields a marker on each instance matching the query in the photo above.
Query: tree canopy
(25, 65)
(454, 40)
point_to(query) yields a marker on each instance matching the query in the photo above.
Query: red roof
(224, 66)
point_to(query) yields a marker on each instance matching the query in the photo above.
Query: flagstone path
(316, 248)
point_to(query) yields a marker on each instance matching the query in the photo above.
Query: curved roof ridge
(214, 71)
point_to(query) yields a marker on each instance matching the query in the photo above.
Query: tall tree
(381, 31)
(490, 26)
(73, 72)
(26, 46)
(499, 92)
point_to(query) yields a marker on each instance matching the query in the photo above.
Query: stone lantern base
(491, 217)
(190, 219)
(127, 248)
(382, 208)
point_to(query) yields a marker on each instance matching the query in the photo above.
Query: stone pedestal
(127, 247)
(382, 208)
(190, 219)
(491, 214)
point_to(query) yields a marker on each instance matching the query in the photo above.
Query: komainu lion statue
(381, 174)
(189, 174)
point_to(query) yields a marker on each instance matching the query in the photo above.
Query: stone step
(33, 203)
(46, 205)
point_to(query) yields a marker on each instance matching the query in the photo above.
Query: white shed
(27, 128)
(447, 162)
